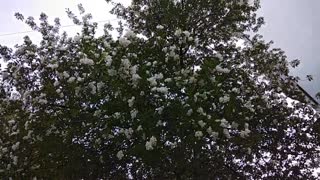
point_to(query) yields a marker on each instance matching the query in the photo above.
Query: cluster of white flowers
(201, 123)
(56, 83)
(128, 133)
(223, 123)
(126, 63)
(222, 70)
(186, 37)
(159, 26)
(201, 111)
(134, 113)
(226, 133)
(120, 154)
(124, 42)
(160, 109)
(235, 90)
(87, 61)
(28, 136)
(15, 146)
(71, 79)
(234, 125)
(65, 74)
(11, 122)
(100, 85)
(245, 133)
(153, 79)
(178, 32)
(130, 34)
(108, 60)
(131, 101)
(42, 99)
(139, 128)
(212, 133)
(186, 33)
(189, 112)
(134, 75)
(53, 66)
(151, 143)
(198, 134)
(92, 86)
(224, 99)
(163, 90)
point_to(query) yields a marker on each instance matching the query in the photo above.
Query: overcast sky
(294, 27)
(291, 24)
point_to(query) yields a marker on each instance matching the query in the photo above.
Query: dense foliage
(183, 93)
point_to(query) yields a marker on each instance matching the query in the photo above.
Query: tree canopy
(188, 90)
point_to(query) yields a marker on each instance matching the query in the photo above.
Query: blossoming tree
(173, 97)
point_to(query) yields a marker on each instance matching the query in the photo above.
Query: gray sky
(291, 24)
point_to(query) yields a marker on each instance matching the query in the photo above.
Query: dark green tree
(184, 92)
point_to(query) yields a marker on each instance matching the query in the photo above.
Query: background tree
(173, 97)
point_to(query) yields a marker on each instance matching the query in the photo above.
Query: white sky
(53, 8)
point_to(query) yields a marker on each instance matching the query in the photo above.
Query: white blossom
(168, 80)
(65, 74)
(163, 90)
(112, 72)
(151, 143)
(152, 81)
(148, 146)
(124, 42)
(178, 32)
(11, 122)
(139, 128)
(201, 123)
(131, 101)
(223, 123)
(215, 135)
(53, 66)
(71, 79)
(43, 101)
(226, 133)
(120, 154)
(200, 111)
(133, 113)
(128, 132)
(187, 33)
(198, 134)
(108, 60)
(100, 85)
(234, 125)
(135, 77)
(87, 61)
(222, 70)
(159, 26)
(209, 130)
(244, 133)
(130, 34)
(189, 112)
(15, 146)
(15, 160)
(236, 90)
(219, 56)
(224, 99)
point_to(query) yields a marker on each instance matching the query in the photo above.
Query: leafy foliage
(173, 97)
